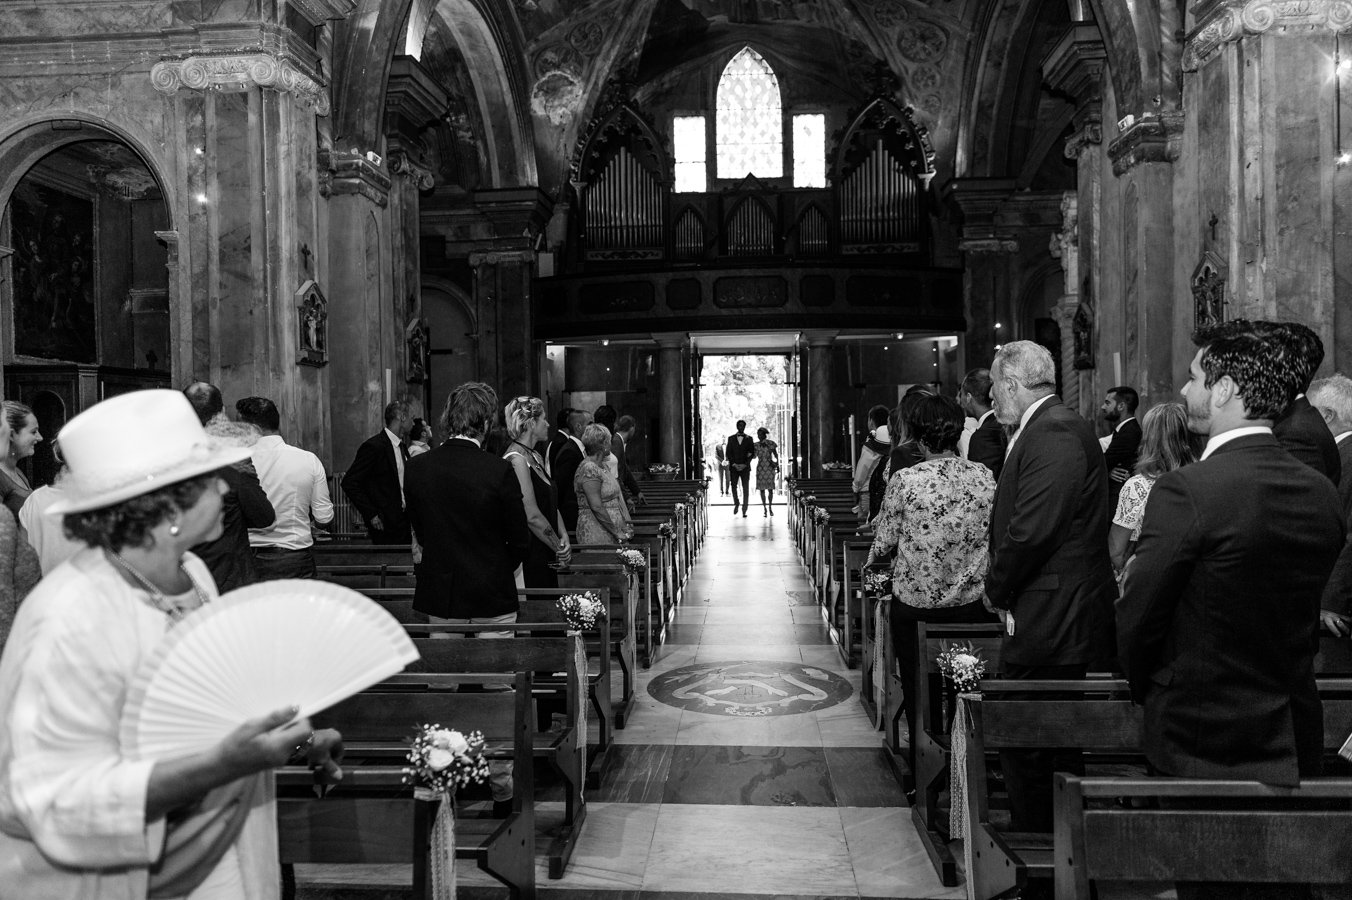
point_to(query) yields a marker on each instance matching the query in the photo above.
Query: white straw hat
(133, 444)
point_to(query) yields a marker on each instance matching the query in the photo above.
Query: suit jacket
(1218, 622)
(1049, 563)
(1121, 453)
(372, 483)
(566, 462)
(556, 443)
(1305, 436)
(246, 506)
(626, 478)
(1338, 591)
(741, 449)
(467, 514)
(987, 445)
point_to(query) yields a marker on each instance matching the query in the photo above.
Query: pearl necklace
(157, 596)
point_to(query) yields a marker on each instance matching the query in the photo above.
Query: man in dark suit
(739, 452)
(229, 557)
(1119, 411)
(1050, 577)
(566, 462)
(1332, 397)
(1300, 428)
(375, 480)
(987, 443)
(607, 416)
(560, 438)
(1218, 620)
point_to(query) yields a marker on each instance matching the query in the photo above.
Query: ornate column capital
(353, 173)
(671, 340)
(1149, 139)
(820, 340)
(1091, 135)
(403, 163)
(240, 72)
(1233, 20)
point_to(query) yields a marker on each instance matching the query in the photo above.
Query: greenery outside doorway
(750, 387)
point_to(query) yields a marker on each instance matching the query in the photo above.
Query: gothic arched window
(750, 124)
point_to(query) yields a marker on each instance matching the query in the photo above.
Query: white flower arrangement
(632, 559)
(443, 759)
(963, 666)
(820, 514)
(678, 508)
(580, 610)
(664, 468)
(665, 530)
(878, 582)
(835, 466)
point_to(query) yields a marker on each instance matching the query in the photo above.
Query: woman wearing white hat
(77, 818)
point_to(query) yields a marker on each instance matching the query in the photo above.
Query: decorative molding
(988, 245)
(1075, 64)
(320, 11)
(1150, 139)
(240, 72)
(352, 173)
(497, 257)
(401, 162)
(1234, 20)
(1091, 135)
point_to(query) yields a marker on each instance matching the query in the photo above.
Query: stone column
(671, 403)
(1066, 247)
(821, 401)
(502, 298)
(989, 248)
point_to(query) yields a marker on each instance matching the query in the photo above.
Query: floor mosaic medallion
(750, 688)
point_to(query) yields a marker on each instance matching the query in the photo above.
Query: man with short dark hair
(298, 490)
(1218, 620)
(246, 506)
(559, 440)
(566, 464)
(375, 480)
(986, 444)
(1120, 447)
(1300, 428)
(739, 453)
(619, 445)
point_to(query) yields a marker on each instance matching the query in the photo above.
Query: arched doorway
(84, 286)
(452, 344)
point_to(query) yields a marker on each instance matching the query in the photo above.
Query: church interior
(336, 204)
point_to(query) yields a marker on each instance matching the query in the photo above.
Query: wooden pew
(873, 619)
(1260, 844)
(592, 576)
(650, 622)
(1100, 720)
(371, 817)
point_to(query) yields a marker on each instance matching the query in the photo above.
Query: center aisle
(748, 767)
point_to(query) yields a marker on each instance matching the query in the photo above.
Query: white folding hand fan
(254, 651)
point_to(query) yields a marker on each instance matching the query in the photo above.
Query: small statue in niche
(1082, 327)
(415, 337)
(1208, 292)
(312, 311)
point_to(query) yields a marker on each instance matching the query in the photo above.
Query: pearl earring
(174, 530)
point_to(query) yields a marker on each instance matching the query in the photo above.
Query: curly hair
(1166, 442)
(129, 523)
(935, 421)
(520, 413)
(1258, 360)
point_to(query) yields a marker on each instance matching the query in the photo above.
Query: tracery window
(749, 124)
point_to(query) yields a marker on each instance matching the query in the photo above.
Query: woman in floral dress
(767, 464)
(602, 517)
(934, 516)
(1166, 444)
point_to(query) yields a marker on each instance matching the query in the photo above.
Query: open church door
(695, 450)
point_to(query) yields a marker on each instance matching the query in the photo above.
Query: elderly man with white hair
(1050, 576)
(1332, 397)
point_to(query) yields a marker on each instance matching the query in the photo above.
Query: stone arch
(452, 340)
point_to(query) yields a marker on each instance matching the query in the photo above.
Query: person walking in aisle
(739, 452)
(720, 454)
(767, 466)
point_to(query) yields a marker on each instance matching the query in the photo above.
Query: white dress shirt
(47, 533)
(398, 460)
(1023, 420)
(1221, 440)
(297, 488)
(1107, 439)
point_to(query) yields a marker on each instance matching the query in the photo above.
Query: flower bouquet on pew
(633, 560)
(665, 530)
(443, 759)
(835, 467)
(878, 583)
(820, 514)
(962, 667)
(580, 610)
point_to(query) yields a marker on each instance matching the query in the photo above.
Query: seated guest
(527, 425)
(419, 437)
(1217, 623)
(24, 436)
(374, 482)
(1166, 444)
(873, 454)
(602, 516)
(80, 817)
(935, 516)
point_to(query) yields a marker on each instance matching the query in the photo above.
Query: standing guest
(738, 454)
(80, 818)
(1217, 625)
(298, 490)
(1050, 578)
(1332, 397)
(619, 446)
(767, 464)
(527, 425)
(245, 506)
(873, 454)
(602, 516)
(1166, 444)
(566, 463)
(23, 437)
(559, 440)
(1300, 428)
(20, 568)
(1120, 448)
(987, 443)
(375, 480)
(619, 467)
(721, 455)
(935, 517)
(419, 437)
(47, 533)
(905, 451)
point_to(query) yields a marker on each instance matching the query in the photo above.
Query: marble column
(821, 401)
(671, 403)
(989, 250)
(502, 298)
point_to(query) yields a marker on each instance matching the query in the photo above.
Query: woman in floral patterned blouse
(935, 516)
(1166, 444)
